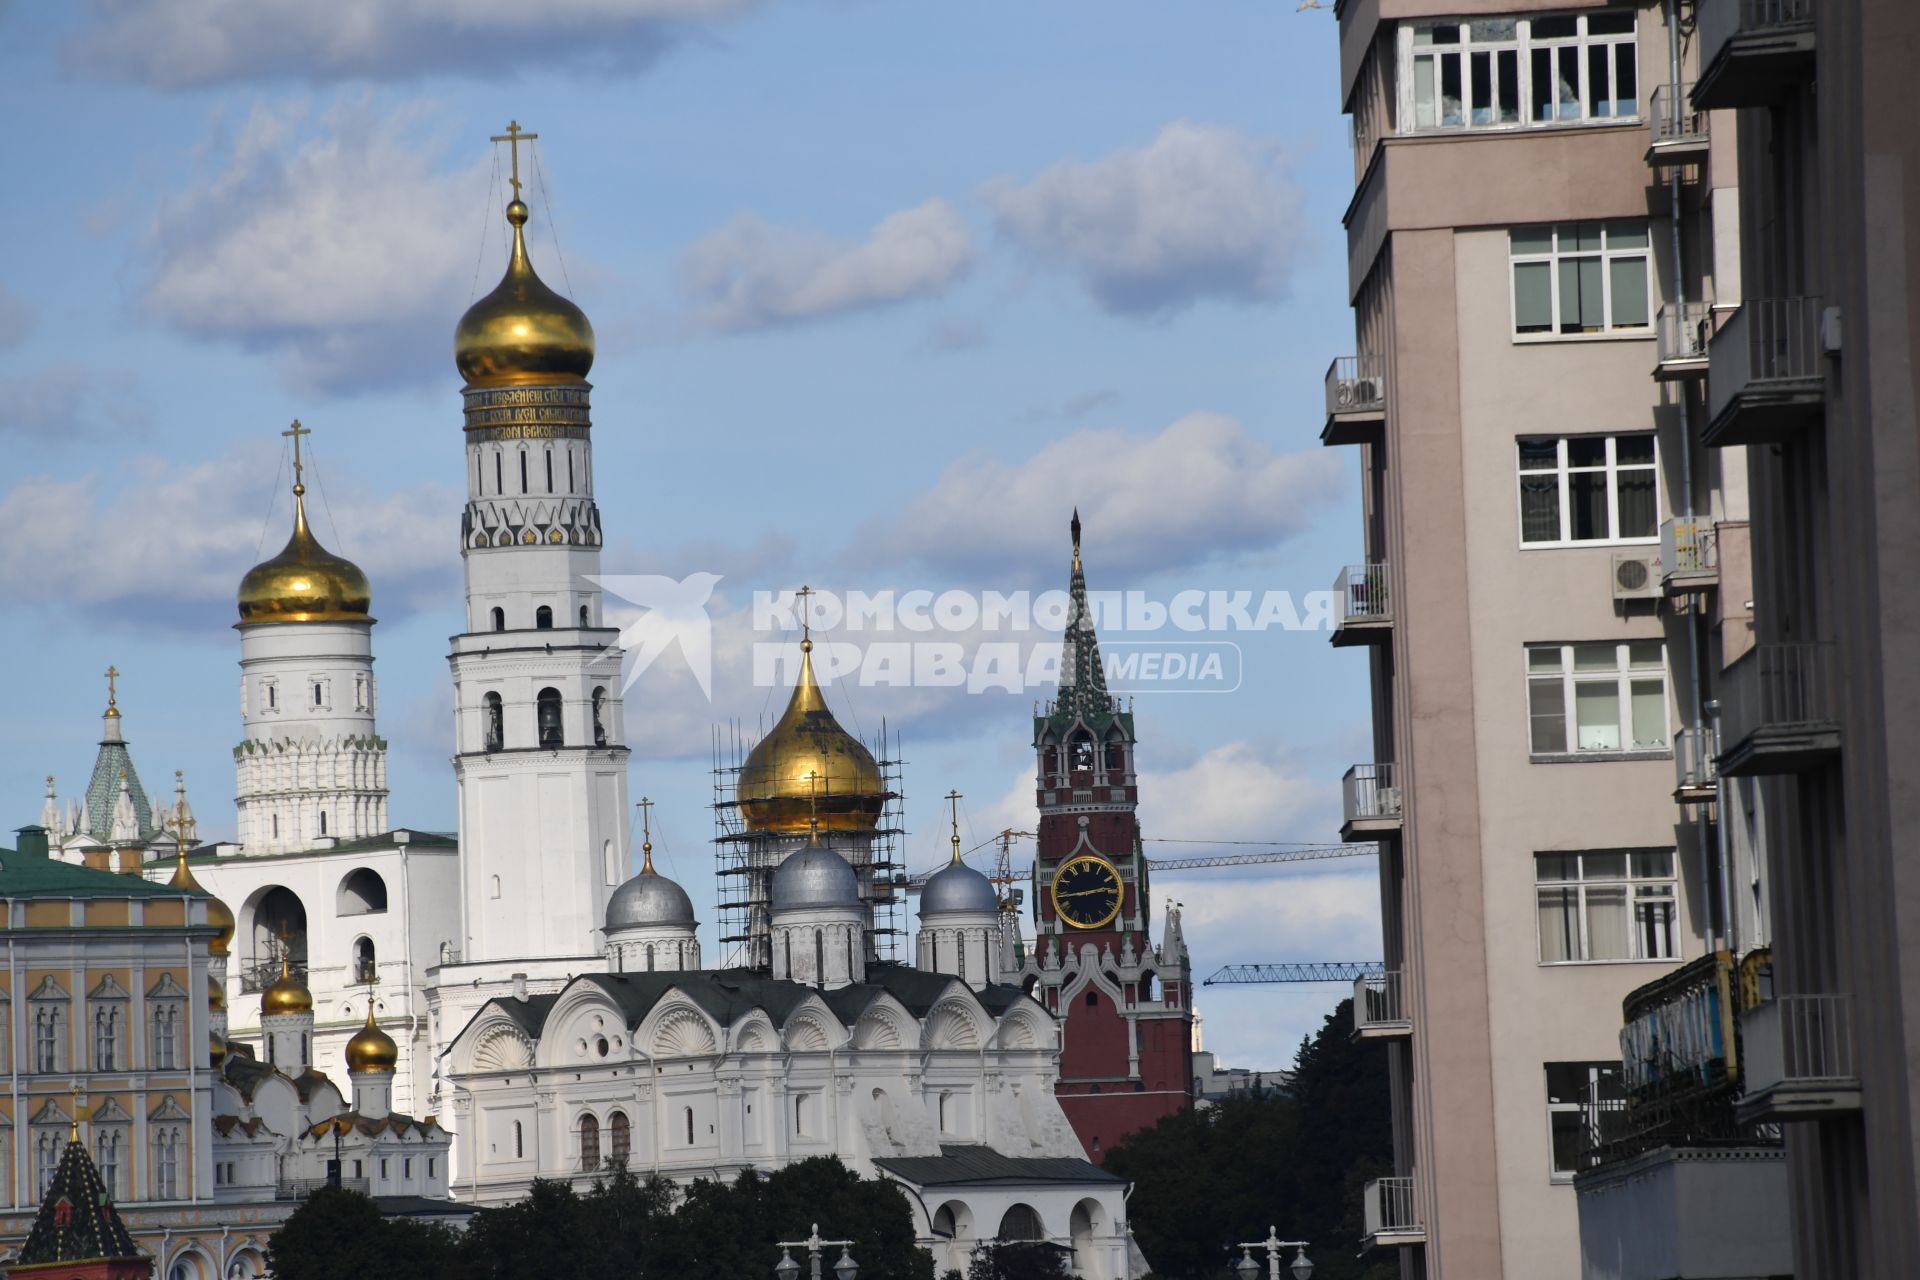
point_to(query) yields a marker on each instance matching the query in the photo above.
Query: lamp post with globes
(1248, 1269)
(788, 1269)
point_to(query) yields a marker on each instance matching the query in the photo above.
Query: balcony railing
(1689, 555)
(1362, 608)
(1379, 1006)
(1370, 801)
(1392, 1212)
(1694, 771)
(1766, 375)
(1677, 130)
(1799, 1057)
(1751, 51)
(1778, 710)
(1356, 400)
(1685, 331)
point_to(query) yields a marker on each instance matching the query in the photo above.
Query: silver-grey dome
(649, 898)
(815, 877)
(955, 888)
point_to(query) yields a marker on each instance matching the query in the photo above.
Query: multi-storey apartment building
(1810, 1034)
(1539, 241)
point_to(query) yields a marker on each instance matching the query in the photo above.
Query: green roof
(26, 876)
(103, 792)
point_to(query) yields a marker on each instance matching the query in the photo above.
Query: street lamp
(788, 1269)
(1248, 1269)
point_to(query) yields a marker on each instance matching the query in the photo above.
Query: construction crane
(1312, 971)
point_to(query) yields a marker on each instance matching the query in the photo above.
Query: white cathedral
(513, 986)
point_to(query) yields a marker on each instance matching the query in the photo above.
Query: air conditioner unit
(1636, 577)
(1389, 802)
(1359, 393)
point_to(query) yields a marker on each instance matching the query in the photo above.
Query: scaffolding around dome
(746, 855)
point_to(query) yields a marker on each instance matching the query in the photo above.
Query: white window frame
(1563, 471)
(1607, 255)
(1624, 672)
(1523, 44)
(1639, 890)
(1595, 1071)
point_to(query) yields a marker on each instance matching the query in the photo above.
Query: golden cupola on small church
(305, 582)
(808, 768)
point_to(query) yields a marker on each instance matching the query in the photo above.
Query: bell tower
(1125, 1003)
(540, 759)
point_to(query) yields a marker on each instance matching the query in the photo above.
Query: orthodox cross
(113, 674)
(513, 137)
(296, 431)
(646, 834)
(953, 802)
(804, 594)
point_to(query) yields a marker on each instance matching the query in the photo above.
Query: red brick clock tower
(1125, 1004)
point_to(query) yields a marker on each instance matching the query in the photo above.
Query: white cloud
(70, 400)
(752, 275)
(955, 334)
(186, 43)
(1201, 487)
(73, 543)
(16, 318)
(1200, 212)
(326, 241)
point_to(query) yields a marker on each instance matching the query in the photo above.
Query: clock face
(1087, 892)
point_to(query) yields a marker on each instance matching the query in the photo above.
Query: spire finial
(299, 469)
(113, 693)
(73, 1130)
(1075, 527)
(953, 803)
(646, 836)
(513, 137)
(806, 624)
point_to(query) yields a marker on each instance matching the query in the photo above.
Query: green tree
(1018, 1260)
(341, 1235)
(1292, 1158)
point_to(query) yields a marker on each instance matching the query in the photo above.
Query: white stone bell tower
(540, 758)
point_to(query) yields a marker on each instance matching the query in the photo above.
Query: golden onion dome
(305, 582)
(522, 333)
(372, 1049)
(809, 766)
(287, 994)
(219, 915)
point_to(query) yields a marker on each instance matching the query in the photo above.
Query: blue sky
(882, 292)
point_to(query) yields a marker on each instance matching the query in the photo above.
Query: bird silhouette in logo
(674, 610)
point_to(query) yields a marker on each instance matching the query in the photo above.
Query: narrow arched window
(589, 1143)
(619, 1137)
(523, 471)
(1082, 752)
(819, 956)
(363, 963)
(649, 957)
(323, 822)
(688, 1113)
(583, 617)
(600, 716)
(519, 1142)
(499, 484)
(499, 618)
(495, 712)
(570, 481)
(549, 471)
(543, 618)
(549, 709)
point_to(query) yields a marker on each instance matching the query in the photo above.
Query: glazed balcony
(1356, 400)
(1392, 1213)
(1778, 711)
(1766, 373)
(1689, 556)
(1752, 51)
(1798, 1059)
(1676, 129)
(1362, 608)
(1370, 802)
(1380, 1007)
(1685, 333)
(1696, 774)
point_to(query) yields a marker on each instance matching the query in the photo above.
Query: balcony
(1695, 773)
(1798, 1059)
(1752, 51)
(1392, 1215)
(1778, 712)
(1356, 400)
(1362, 609)
(1685, 332)
(1689, 556)
(1379, 1007)
(1765, 378)
(1369, 802)
(1667, 1212)
(1676, 129)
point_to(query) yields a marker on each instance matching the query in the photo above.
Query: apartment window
(1606, 904)
(1597, 698)
(1581, 278)
(1582, 1098)
(1577, 489)
(1492, 73)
